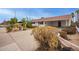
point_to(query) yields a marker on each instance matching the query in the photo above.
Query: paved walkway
(17, 41)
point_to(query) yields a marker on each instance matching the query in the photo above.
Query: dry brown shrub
(46, 37)
(63, 34)
(70, 30)
(73, 29)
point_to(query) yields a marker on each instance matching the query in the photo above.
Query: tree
(24, 23)
(29, 24)
(13, 25)
(77, 11)
(72, 15)
(13, 20)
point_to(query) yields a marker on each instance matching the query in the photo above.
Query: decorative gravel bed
(74, 38)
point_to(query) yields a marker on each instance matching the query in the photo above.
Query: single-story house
(59, 21)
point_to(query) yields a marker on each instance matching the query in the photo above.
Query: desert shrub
(9, 29)
(77, 23)
(73, 25)
(24, 23)
(15, 27)
(24, 26)
(63, 34)
(12, 25)
(29, 24)
(47, 39)
(73, 29)
(70, 30)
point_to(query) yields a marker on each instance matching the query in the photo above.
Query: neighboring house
(59, 21)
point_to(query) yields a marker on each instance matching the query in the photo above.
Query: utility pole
(26, 18)
(15, 13)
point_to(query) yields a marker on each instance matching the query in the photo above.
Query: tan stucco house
(59, 21)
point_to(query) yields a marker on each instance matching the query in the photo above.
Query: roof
(56, 18)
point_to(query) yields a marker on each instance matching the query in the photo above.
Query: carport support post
(69, 22)
(66, 23)
(44, 23)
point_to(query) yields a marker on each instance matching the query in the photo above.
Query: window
(33, 22)
(40, 22)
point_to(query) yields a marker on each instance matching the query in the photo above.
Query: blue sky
(33, 13)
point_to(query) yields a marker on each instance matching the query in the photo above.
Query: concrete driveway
(17, 41)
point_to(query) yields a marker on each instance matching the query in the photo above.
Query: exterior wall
(54, 23)
(68, 22)
(63, 23)
(37, 24)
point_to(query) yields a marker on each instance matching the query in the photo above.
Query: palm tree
(72, 15)
(77, 11)
(13, 20)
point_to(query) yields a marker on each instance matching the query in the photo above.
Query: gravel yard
(74, 38)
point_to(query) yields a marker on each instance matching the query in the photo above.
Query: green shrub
(24, 27)
(13, 25)
(24, 23)
(29, 24)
